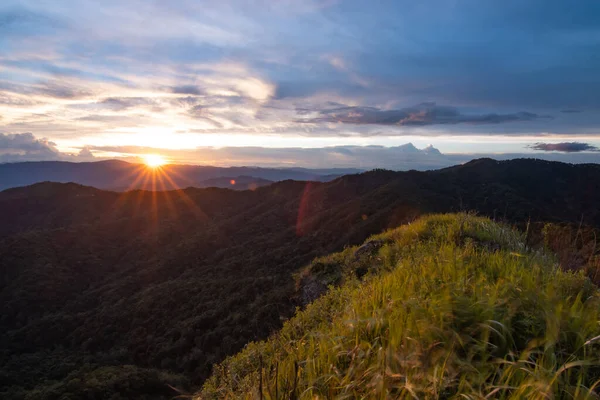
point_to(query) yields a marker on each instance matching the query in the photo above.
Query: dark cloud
(419, 115)
(564, 147)
(187, 89)
(202, 112)
(20, 147)
(61, 91)
(25, 142)
(25, 146)
(197, 111)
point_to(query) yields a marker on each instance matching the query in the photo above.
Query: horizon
(163, 177)
(322, 83)
(397, 159)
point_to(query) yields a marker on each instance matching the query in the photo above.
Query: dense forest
(139, 294)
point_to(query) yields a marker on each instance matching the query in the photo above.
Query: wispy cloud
(420, 115)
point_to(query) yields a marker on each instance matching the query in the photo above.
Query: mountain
(237, 182)
(121, 175)
(122, 294)
(451, 306)
(408, 148)
(431, 150)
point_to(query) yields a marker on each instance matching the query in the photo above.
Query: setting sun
(154, 160)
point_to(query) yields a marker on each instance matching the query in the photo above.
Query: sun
(154, 160)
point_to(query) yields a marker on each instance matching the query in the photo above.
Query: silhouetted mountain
(121, 175)
(237, 182)
(169, 283)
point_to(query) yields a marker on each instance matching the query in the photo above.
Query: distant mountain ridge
(121, 175)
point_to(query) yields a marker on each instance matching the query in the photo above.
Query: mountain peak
(409, 147)
(432, 150)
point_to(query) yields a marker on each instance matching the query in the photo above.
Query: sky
(299, 83)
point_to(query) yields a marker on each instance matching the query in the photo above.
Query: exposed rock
(310, 290)
(368, 248)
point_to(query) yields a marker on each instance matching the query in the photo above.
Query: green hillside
(451, 306)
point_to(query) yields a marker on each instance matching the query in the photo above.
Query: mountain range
(129, 294)
(121, 175)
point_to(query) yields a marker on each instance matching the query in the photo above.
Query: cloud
(61, 91)
(564, 147)
(122, 120)
(51, 89)
(20, 147)
(25, 146)
(97, 68)
(420, 115)
(85, 154)
(25, 142)
(123, 103)
(187, 89)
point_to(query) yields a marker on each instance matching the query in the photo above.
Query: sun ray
(151, 178)
(166, 193)
(138, 171)
(154, 206)
(141, 172)
(187, 200)
(141, 193)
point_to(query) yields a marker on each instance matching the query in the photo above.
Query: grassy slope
(453, 306)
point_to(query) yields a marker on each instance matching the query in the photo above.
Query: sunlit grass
(453, 307)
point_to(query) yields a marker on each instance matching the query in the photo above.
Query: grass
(452, 306)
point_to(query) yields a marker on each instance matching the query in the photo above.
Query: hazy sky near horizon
(468, 76)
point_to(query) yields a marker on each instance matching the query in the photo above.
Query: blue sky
(469, 77)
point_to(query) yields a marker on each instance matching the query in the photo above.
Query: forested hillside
(104, 293)
(451, 306)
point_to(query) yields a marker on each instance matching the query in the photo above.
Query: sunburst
(154, 160)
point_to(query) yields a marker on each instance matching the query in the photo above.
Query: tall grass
(455, 308)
